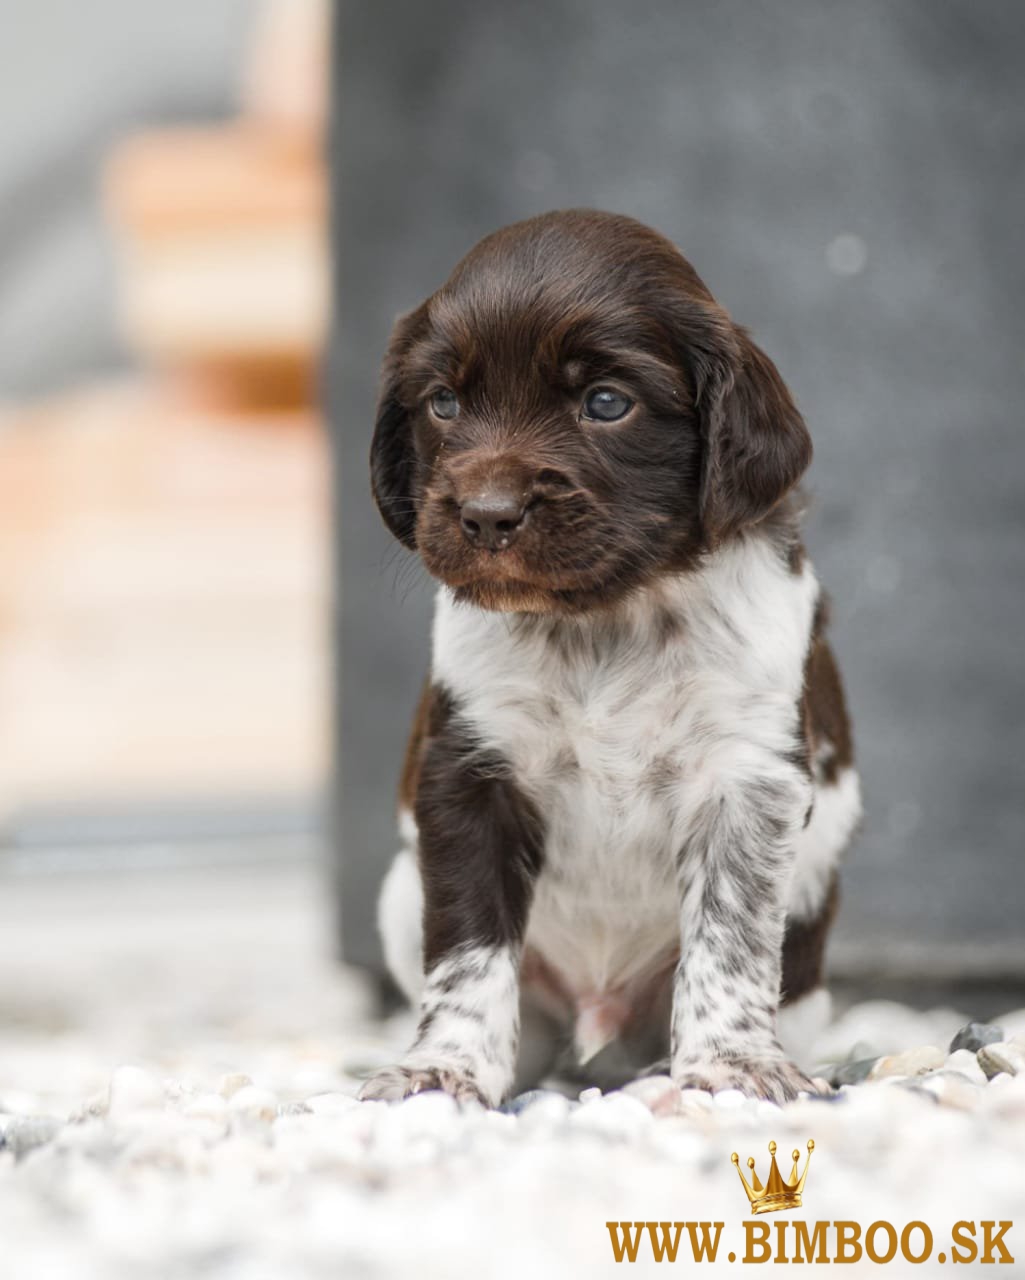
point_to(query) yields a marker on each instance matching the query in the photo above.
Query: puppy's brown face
(572, 415)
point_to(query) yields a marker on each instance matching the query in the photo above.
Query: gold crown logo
(778, 1192)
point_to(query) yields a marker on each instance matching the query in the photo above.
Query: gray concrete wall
(849, 181)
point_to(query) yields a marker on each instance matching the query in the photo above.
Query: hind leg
(805, 1004)
(814, 898)
(542, 1040)
(400, 922)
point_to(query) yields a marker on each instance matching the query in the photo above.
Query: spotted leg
(479, 853)
(735, 875)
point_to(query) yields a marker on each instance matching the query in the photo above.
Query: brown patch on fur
(411, 765)
(827, 726)
(481, 841)
(804, 948)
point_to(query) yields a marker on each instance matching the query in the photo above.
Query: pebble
(23, 1134)
(429, 1114)
(252, 1103)
(952, 1088)
(912, 1062)
(1009, 1099)
(886, 1082)
(966, 1063)
(207, 1106)
(94, 1106)
(166, 1140)
(973, 1035)
(231, 1084)
(658, 1093)
(1002, 1056)
(516, 1106)
(851, 1072)
(92, 1138)
(545, 1113)
(695, 1101)
(133, 1089)
(616, 1116)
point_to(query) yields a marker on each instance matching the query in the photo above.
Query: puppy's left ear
(756, 444)
(392, 453)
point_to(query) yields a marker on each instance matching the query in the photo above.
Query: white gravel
(178, 1059)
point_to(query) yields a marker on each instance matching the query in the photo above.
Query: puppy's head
(572, 415)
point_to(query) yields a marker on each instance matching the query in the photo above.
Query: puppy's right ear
(392, 452)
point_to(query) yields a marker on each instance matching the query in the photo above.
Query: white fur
(399, 912)
(818, 847)
(800, 1024)
(481, 1016)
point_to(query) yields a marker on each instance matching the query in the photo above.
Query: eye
(444, 403)
(606, 404)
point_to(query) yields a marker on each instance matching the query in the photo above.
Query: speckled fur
(660, 743)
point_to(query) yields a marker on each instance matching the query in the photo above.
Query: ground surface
(133, 1011)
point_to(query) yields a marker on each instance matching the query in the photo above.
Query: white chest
(616, 728)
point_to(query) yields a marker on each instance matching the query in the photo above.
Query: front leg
(480, 847)
(735, 869)
(468, 1032)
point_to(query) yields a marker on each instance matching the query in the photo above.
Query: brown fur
(480, 839)
(827, 725)
(410, 779)
(804, 949)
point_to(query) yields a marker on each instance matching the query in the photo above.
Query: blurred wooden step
(163, 600)
(220, 240)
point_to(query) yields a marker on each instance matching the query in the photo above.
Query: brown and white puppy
(630, 781)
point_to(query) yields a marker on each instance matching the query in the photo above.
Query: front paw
(772, 1077)
(392, 1084)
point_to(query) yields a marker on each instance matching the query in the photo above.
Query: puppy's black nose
(493, 519)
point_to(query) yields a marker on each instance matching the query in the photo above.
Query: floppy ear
(756, 443)
(392, 453)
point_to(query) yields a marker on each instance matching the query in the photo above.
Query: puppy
(630, 780)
